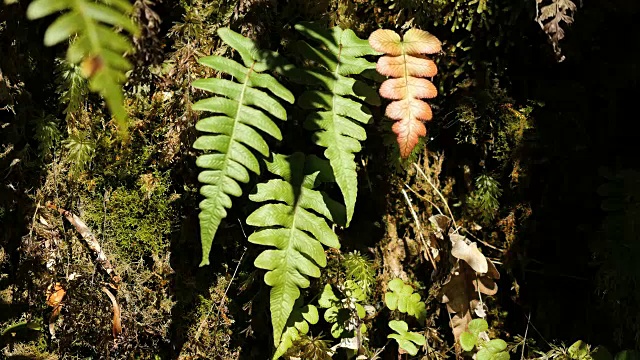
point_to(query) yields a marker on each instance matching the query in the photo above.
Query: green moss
(136, 220)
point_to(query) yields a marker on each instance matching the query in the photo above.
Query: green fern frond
(293, 221)
(98, 47)
(484, 198)
(241, 109)
(47, 133)
(339, 115)
(81, 148)
(72, 87)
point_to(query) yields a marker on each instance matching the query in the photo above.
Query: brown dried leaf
(549, 17)
(55, 294)
(441, 223)
(468, 253)
(460, 293)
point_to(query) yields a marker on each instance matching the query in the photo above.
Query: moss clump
(137, 221)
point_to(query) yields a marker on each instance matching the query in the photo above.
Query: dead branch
(92, 243)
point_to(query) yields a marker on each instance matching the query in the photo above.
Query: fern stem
(236, 119)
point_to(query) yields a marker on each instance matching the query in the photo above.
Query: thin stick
(524, 341)
(482, 241)
(33, 222)
(536, 329)
(415, 218)
(202, 323)
(91, 241)
(453, 220)
(424, 198)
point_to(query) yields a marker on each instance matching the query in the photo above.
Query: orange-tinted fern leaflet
(406, 64)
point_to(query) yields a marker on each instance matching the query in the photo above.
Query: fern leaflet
(98, 47)
(242, 109)
(337, 122)
(294, 223)
(297, 325)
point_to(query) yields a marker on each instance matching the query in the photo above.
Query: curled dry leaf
(442, 225)
(405, 63)
(55, 295)
(550, 16)
(469, 253)
(116, 327)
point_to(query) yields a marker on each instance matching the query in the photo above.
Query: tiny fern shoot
(97, 46)
(405, 63)
(240, 110)
(292, 222)
(339, 114)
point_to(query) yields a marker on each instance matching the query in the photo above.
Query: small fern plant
(336, 99)
(242, 114)
(95, 43)
(293, 222)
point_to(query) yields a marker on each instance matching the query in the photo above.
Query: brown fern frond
(406, 64)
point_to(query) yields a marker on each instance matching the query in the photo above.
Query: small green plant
(476, 338)
(484, 199)
(403, 299)
(81, 148)
(72, 87)
(47, 133)
(345, 310)
(580, 350)
(358, 268)
(407, 340)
